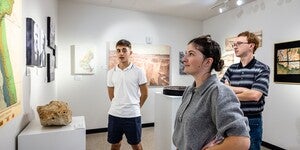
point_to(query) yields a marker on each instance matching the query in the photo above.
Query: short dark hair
(123, 42)
(252, 38)
(209, 48)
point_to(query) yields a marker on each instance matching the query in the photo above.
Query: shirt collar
(249, 65)
(127, 68)
(205, 84)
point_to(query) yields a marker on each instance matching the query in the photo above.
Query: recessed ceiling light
(239, 2)
(220, 9)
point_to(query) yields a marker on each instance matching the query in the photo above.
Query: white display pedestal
(70, 137)
(165, 113)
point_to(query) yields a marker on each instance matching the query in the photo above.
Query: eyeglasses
(239, 43)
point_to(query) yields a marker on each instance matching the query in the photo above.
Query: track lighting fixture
(225, 5)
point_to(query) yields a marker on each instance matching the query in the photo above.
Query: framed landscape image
(287, 62)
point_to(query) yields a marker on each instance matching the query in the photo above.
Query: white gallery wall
(85, 25)
(89, 25)
(36, 91)
(279, 22)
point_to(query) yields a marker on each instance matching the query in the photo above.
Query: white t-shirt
(126, 83)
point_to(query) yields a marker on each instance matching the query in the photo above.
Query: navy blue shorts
(131, 127)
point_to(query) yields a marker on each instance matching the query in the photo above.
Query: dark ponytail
(209, 48)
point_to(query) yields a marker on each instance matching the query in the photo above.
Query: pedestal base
(37, 137)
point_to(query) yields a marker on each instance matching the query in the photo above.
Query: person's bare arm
(110, 93)
(232, 143)
(144, 94)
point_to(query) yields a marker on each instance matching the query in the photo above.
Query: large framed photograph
(287, 62)
(50, 33)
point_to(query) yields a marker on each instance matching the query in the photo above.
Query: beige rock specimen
(55, 113)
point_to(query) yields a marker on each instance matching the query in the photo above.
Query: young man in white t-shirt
(128, 91)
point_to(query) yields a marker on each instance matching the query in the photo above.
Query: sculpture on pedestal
(55, 113)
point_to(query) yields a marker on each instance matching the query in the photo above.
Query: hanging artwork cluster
(36, 54)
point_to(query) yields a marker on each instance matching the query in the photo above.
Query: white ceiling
(193, 9)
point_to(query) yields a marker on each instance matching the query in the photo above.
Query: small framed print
(287, 62)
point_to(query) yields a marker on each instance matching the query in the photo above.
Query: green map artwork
(288, 61)
(7, 84)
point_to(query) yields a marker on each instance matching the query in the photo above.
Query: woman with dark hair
(209, 116)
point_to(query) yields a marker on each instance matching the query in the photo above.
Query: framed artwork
(287, 62)
(50, 67)
(11, 60)
(83, 60)
(32, 41)
(35, 44)
(181, 66)
(154, 59)
(50, 33)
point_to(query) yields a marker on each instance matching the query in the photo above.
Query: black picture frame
(35, 44)
(287, 62)
(50, 67)
(50, 33)
(30, 59)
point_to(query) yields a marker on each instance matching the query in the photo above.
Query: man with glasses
(249, 79)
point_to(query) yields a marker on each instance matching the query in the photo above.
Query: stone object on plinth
(56, 113)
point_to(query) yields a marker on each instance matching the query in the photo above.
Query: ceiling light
(225, 5)
(220, 9)
(239, 2)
